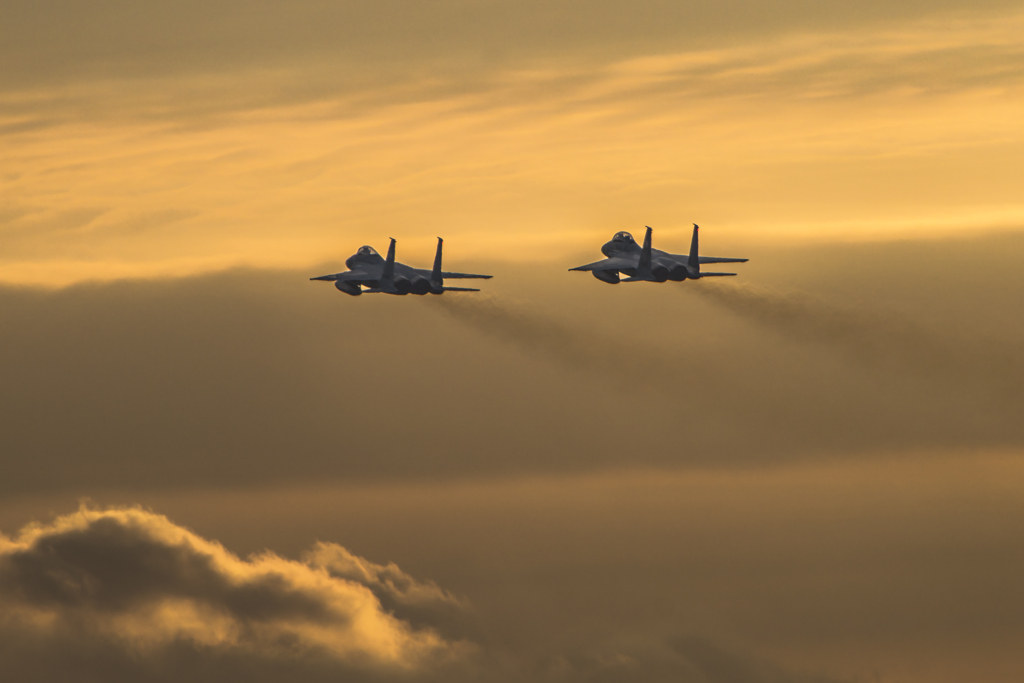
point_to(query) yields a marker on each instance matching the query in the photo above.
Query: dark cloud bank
(248, 376)
(124, 594)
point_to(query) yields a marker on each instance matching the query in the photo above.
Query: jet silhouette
(384, 276)
(644, 264)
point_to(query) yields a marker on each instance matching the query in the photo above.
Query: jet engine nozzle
(678, 274)
(420, 286)
(660, 273)
(403, 286)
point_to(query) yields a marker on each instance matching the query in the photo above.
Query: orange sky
(809, 473)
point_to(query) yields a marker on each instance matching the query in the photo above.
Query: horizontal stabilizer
(716, 274)
(460, 289)
(719, 259)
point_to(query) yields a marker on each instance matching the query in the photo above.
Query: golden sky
(808, 474)
(178, 139)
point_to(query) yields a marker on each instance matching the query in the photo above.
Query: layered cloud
(252, 377)
(135, 580)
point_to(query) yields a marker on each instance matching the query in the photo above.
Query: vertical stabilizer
(694, 260)
(435, 275)
(389, 265)
(643, 268)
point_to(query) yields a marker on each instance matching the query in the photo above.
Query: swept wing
(359, 274)
(614, 263)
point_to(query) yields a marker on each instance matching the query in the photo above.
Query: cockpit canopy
(621, 243)
(366, 250)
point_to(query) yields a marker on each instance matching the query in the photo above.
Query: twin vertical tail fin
(388, 275)
(436, 281)
(643, 268)
(694, 261)
(437, 276)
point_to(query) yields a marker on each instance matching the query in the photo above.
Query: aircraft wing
(464, 276)
(349, 275)
(616, 263)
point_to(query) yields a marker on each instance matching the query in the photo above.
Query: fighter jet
(384, 276)
(644, 264)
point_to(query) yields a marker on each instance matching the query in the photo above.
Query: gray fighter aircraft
(385, 276)
(644, 264)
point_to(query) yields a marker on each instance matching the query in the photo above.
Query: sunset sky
(212, 468)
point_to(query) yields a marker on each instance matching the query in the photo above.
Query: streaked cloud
(885, 127)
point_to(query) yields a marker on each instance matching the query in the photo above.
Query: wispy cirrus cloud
(869, 126)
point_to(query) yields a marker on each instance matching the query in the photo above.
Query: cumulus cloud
(124, 594)
(417, 602)
(134, 580)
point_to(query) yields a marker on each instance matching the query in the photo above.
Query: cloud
(879, 340)
(530, 326)
(65, 41)
(307, 70)
(720, 665)
(257, 376)
(860, 126)
(687, 659)
(123, 594)
(417, 602)
(134, 580)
